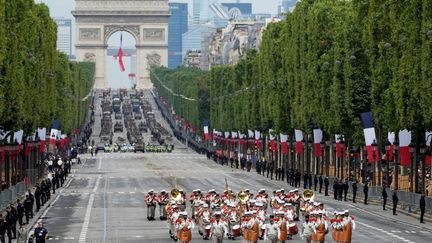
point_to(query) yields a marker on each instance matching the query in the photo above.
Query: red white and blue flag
(404, 150)
(120, 54)
(340, 146)
(428, 159)
(272, 142)
(369, 134)
(55, 132)
(299, 139)
(284, 143)
(391, 139)
(206, 133)
(318, 136)
(42, 139)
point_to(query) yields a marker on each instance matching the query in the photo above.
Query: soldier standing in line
(384, 197)
(48, 189)
(37, 195)
(345, 189)
(2, 229)
(395, 200)
(422, 208)
(354, 188)
(315, 182)
(54, 182)
(31, 197)
(14, 221)
(272, 165)
(366, 192)
(28, 207)
(20, 212)
(326, 185)
(335, 189)
(9, 223)
(320, 179)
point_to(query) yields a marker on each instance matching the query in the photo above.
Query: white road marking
(385, 232)
(100, 164)
(84, 229)
(396, 231)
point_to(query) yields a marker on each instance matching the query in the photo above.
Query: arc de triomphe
(145, 20)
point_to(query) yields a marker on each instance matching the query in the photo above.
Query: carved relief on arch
(132, 29)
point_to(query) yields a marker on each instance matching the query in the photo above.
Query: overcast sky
(117, 79)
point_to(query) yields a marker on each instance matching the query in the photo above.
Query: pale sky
(116, 79)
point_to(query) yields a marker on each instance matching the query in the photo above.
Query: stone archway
(146, 21)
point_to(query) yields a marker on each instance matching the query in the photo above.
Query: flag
(318, 136)
(227, 137)
(234, 137)
(250, 134)
(18, 136)
(428, 158)
(340, 146)
(258, 139)
(120, 54)
(299, 139)
(284, 143)
(55, 132)
(404, 150)
(391, 139)
(370, 137)
(42, 139)
(206, 133)
(272, 142)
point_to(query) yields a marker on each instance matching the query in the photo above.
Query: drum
(236, 230)
(263, 228)
(207, 230)
(292, 229)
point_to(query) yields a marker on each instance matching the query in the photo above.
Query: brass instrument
(308, 195)
(243, 197)
(175, 194)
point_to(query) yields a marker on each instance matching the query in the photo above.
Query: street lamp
(423, 152)
(374, 146)
(412, 182)
(396, 163)
(322, 146)
(387, 149)
(308, 154)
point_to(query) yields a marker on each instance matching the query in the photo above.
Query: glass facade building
(64, 35)
(178, 25)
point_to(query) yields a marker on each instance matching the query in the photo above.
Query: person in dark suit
(320, 179)
(354, 188)
(395, 200)
(384, 197)
(366, 192)
(422, 208)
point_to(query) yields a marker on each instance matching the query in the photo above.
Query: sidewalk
(374, 206)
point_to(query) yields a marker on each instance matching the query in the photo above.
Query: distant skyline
(63, 8)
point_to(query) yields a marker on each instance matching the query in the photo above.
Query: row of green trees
(186, 91)
(37, 83)
(327, 62)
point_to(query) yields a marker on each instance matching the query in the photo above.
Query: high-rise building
(238, 10)
(286, 6)
(64, 35)
(177, 25)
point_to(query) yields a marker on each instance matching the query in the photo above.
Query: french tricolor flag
(42, 137)
(340, 145)
(55, 132)
(370, 136)
(284, 143)
(272, 142)
(299, 138)
(404, 150)
(318, 136)
(206, 133)
(391, 139)
(258, 138)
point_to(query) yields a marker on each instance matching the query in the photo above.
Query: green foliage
(186, 89)
(37, 83)
(327, 62)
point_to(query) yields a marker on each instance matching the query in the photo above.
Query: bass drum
(207, 230)
(236, 230)
(292, 229)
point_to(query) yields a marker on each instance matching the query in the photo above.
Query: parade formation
(273, 217)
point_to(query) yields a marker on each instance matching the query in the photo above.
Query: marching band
(243, 215)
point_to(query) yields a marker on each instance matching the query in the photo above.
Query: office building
(64, 35)
(238, 10)
(286, 6)
(178, 25)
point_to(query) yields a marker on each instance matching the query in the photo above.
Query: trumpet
(243, 197)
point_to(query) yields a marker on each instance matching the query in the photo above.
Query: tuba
(243, 197)
(175, 194)
(308, 195)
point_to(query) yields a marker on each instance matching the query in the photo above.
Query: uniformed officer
(218, 228)
(40, 233)
(271, 231)
(28, 207)
(151, 204)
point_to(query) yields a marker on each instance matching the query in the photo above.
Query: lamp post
(387, 149)
(342, 159)
(322, 146)
(308, 155)
(396, 163)
(374, 146)
(335, 160)
(412, 150)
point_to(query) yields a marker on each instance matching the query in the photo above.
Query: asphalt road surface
(104, 201)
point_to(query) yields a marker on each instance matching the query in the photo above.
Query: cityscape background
(195, 27)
